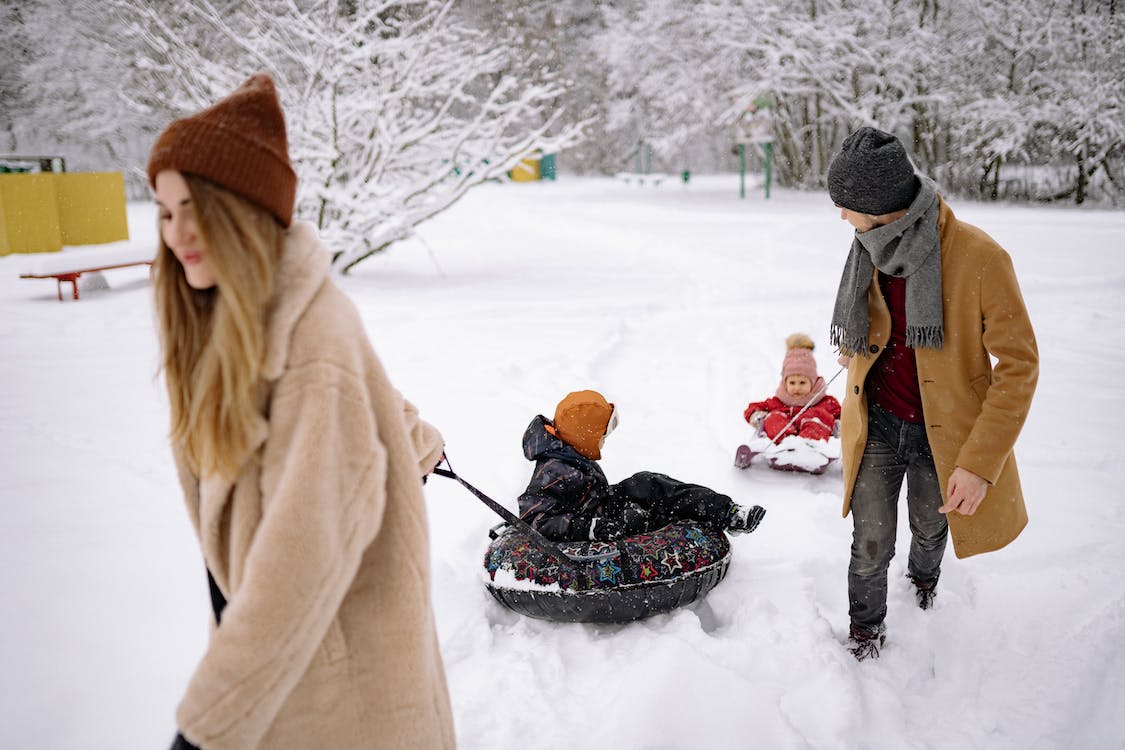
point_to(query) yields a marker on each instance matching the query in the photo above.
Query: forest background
(398, 107)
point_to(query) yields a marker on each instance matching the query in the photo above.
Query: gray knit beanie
(872, 174)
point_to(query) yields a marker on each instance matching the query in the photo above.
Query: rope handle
(550, 548)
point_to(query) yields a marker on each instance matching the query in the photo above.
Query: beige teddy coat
(321, 548)
(973, 410)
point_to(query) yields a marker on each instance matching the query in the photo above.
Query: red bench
(72, 276)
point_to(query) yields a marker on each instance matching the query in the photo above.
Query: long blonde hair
(213, 341)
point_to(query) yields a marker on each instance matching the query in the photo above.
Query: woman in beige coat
(301, 465)
(926, 303)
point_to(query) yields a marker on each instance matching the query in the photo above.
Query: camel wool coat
(321, 548)
(973, 411)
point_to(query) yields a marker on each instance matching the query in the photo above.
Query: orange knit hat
(238, 143)
(582, 419)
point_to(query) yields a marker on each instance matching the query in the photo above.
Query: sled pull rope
(537, 538)
(820, 392)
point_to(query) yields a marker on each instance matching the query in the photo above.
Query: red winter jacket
(816, 423)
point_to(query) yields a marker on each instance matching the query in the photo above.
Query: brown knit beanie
(872, 174)
(582, 420)
(238, 143)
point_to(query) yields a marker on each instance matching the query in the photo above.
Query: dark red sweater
(893, 381)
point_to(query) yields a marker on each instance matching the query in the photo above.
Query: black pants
(652, 501)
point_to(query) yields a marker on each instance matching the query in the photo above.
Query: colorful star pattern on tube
(524, 569)
(547, 574)
(668, 553)
(651, 546)
(566, 578)
(607, 571)
(493, 562)
(671, 561)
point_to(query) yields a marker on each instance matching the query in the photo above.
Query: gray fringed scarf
(909, 247)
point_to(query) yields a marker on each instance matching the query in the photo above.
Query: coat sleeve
(827, 409)
(753, 407)
(428, 443)
(323, 493)
(1008, 336)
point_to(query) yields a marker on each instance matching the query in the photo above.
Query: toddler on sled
(570, 499)
(800, 417)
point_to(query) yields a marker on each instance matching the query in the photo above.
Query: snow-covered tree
(59, 92)
(398, 106)
(13, 56)
(665, 82)
(1046, 113)
(395, 108)
(1083, 95)
(567, 38)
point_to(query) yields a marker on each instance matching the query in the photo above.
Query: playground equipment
(540, 167)
(755, 127)
(43, 207)
(643, 174)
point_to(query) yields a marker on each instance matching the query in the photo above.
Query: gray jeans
(895, 449)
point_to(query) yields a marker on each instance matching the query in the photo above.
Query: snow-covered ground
(675, 303)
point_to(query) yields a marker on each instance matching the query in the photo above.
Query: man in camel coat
(926, 302)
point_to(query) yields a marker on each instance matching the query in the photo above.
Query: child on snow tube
(800, 386)
(569, 499)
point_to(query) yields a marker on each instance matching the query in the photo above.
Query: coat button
(874, 348)
(857, 389)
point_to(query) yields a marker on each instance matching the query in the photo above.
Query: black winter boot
(864, 643)
(925, 592)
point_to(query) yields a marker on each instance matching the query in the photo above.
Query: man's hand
(966, 492)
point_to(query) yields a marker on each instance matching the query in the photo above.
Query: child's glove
(742, 519)
(605, 529)
(755, 418)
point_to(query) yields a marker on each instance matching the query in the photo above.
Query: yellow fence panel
(92, 207)
(42, 211)
(29, 214)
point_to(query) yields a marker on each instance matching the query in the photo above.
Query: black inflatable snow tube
(618, 581)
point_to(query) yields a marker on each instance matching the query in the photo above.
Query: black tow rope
(553, 550)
